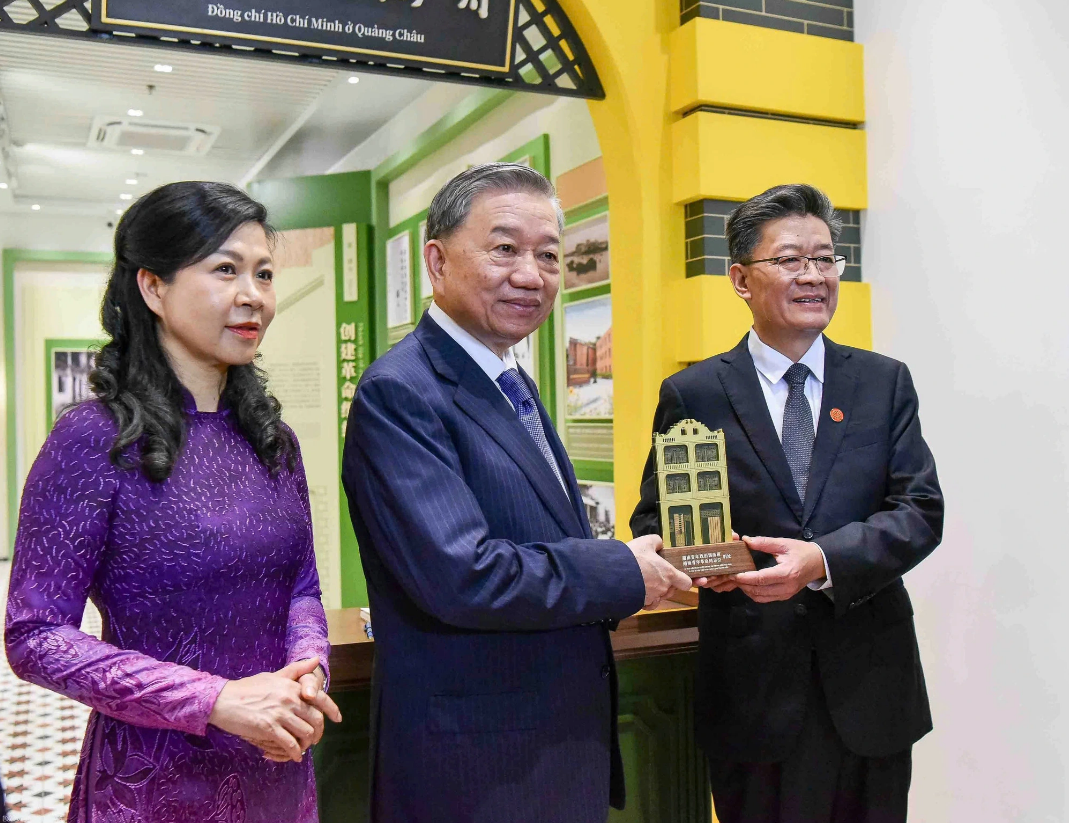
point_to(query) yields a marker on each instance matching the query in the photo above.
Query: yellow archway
(628, 43)
(653, 71)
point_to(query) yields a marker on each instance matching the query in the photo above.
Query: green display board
(342, 203)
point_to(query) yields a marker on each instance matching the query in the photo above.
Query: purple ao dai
(205, 577)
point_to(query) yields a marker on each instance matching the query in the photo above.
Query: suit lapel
(481, 400)
(743, 391)
(500, 421)
(840, 381)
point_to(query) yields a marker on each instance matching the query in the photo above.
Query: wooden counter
(655, 652)
(670, 629)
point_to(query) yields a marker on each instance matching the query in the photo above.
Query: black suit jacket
(874, 506)
(494, 691)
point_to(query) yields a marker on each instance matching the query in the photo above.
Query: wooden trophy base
(712, 560)
(687, 598)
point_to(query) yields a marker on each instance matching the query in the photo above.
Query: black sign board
(462, 34)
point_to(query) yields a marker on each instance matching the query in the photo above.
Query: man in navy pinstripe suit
(494, 693)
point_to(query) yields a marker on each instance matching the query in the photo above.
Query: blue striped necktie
(519, 394)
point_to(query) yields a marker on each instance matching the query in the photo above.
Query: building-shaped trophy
(692, 481)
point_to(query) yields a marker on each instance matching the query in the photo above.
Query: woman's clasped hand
(280, 712)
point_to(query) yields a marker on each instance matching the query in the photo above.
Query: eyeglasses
(797, 265)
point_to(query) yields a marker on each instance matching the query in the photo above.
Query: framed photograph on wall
(398, 281)
(426, 290)
(526, 354)
(67, 367)
(585, 247)
(587, 343)
(599, 501)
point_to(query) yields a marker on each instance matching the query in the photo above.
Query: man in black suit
(810, 691)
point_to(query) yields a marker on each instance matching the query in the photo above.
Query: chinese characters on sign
(398, 281)
(350, 265)
(352, 356)
(481, 6)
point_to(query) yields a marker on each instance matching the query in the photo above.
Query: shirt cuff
(821, 585)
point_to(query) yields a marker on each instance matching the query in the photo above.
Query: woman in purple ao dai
(177, 502)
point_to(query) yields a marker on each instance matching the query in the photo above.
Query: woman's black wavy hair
(169, 229)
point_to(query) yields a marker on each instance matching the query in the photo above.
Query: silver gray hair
(452, 204)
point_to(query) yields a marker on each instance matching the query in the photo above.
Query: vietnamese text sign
(472, 34)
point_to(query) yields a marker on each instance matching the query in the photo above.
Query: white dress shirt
(483, 355)
(771, 366)
(478, 351)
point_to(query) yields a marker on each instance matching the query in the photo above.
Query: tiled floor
(40, 738)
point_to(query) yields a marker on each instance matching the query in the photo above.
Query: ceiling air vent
(151, 135)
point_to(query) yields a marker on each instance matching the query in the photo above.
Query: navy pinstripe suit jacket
(494, 693)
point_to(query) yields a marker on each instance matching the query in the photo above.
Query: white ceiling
(52, 88)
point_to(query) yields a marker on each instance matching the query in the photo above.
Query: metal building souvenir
(692, 481)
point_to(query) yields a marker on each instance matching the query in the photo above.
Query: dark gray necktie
(798, 431)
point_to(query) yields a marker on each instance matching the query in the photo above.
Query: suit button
(807, 534)
(801, 610)
(605, 671)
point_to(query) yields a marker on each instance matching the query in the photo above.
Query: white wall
(403, 127)
(51, 301)
(968, 127)
(572, 142)
(56, 232)
(567, 121)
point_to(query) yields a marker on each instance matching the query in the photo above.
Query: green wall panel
(313, 202)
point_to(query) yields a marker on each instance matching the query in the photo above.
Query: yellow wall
(628, 43)
(727, 157)
(709, 318)
(712, 64)
(649, 76)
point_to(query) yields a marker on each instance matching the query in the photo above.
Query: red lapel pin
(837, 415)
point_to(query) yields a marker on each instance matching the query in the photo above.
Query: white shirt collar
(482, 354)
(773, 365)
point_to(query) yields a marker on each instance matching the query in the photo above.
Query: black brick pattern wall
(823, 18)
(707, 245)
(849, 244)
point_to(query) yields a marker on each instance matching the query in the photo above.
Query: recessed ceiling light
(131, 182)
(163, 67)
(134, 112)
(3, 185)
(118, 211)
(354, 79)
(137, 151)
(125, 196)
(35, 207)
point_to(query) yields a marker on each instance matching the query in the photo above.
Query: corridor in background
(42, 733)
